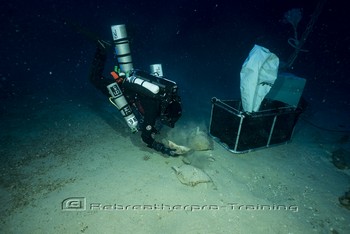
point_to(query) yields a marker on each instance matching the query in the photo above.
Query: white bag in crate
(258, 74)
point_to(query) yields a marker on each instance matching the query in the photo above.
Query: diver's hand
(170, 152)
(163, 149)
(179, 149)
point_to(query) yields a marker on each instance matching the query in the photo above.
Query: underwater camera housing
(159, 88)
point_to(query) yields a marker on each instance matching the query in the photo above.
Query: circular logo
(148, 127)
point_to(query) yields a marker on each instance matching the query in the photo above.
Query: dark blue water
(201, 44)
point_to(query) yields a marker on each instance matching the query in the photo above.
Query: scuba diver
(144, 99)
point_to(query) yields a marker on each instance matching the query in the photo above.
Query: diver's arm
(148, 130)
(160, 147)
(163, 149)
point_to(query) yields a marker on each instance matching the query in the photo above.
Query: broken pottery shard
(190, 175)
(179, 149)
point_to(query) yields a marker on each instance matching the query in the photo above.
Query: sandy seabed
(70, 167)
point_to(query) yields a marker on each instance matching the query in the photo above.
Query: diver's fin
(104, 44)
(88, 34)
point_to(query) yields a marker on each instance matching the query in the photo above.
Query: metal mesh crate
(241, 132)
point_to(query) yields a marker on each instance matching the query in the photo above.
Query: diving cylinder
(144, 83)
(156, 70)
(120, 102)
(122, 49)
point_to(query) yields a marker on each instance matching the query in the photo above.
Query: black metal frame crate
(242, 132)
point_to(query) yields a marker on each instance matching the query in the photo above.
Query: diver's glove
(163, 149)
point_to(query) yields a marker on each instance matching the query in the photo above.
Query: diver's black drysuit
(149, 108)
